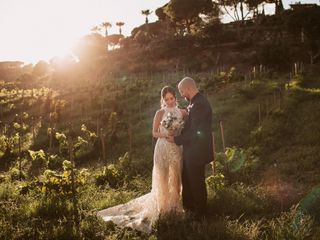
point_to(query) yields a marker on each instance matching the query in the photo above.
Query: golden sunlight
(40, 30)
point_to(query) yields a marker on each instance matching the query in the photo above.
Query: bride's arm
(184, 113)
(156, 124)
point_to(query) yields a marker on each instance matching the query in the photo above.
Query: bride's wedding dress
(141, 213)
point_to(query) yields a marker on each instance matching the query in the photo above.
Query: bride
(141, 213)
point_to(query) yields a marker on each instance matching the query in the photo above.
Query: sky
(33, 30)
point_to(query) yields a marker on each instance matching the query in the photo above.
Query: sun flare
(36, 30)
(40, 30)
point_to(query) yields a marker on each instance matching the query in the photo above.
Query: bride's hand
(170, 139)
(170, 133)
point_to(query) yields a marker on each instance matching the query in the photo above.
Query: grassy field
(271, 135)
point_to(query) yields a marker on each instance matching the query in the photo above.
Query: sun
(41, 30)
(36, 30)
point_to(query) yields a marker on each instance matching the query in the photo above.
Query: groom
(196, 139)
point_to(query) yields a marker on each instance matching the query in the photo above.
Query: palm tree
(106, 25)
(279, 6)
(95, 29)
(120, 24)
(146, 12)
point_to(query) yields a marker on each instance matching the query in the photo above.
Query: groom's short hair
(187, 82)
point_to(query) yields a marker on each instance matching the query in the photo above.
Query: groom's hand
(170, 139)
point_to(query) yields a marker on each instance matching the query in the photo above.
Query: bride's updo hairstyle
(164, 91)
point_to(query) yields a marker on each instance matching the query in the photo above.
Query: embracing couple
(178, 164)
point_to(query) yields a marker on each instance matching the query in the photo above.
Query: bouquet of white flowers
(172, 123)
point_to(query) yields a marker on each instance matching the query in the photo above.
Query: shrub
(275, 55)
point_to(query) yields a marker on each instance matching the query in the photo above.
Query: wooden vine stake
(213, 160)
(222, 137)
(103, 144)
(73, 186)
(259, 114)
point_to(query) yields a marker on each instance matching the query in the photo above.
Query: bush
(275, 55)
(55, 162)
(237, 164)
(115, 175)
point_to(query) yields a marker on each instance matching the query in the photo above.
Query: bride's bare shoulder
(159, 112)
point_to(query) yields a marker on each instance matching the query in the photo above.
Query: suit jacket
(196, 136)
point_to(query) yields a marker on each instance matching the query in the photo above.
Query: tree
(186, 12)
(160, 12)
(305, 23)
(106, 25)
(234, 6)
(113, 40)
(253, 6)
(41, 68)
(146, 13)
(213, 15)
(279, 6)
(120, 24)
(89, 47)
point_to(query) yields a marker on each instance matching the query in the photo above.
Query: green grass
(289, 138)
(286, 147)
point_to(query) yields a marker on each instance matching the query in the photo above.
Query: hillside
(75, 132)
(270, 164)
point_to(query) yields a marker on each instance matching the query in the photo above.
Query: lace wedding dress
(141, 213)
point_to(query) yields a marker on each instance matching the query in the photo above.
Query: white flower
(189, 107)
(172, 123)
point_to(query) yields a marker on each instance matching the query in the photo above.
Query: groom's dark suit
(196, 139)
